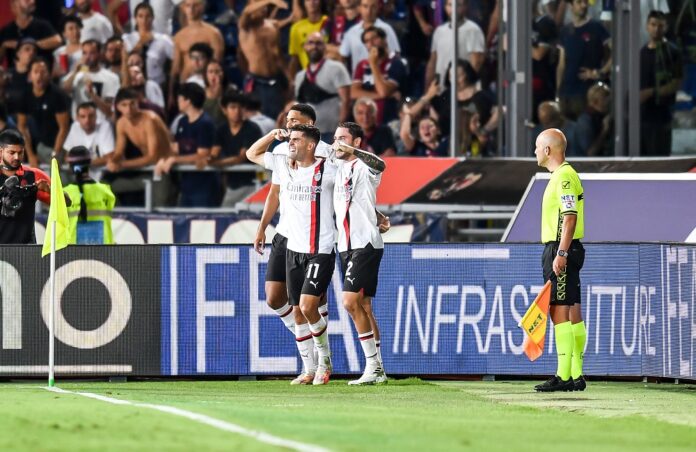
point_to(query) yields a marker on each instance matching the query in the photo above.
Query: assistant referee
(562, 227)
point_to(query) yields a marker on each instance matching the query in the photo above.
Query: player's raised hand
(281, 134)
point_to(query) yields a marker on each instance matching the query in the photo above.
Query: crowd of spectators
(163, 83)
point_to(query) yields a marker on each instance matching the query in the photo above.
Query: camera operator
(20, 187)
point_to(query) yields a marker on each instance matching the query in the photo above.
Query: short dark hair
(114, 38)
(471, 75)
(203, 48)
(372, 29)
(305, 110)
(144, 5)
(92, 41)
(72, 18)
(125, 94)
(309, 131)
(655, 14)
(232, 96)
(194, 93)
(353, 129)
(88, 104)
(11, 137)
(252, 102)
(38, 60)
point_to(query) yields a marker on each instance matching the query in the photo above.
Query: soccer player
(360, 244)
(310, 257)
(276, 288)
(562, 227)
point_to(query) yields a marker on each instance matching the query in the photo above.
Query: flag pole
(51, 317)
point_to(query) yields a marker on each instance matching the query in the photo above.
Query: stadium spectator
(67, 56)
(17, 219)
(95, 25)
(353, 47)
(544, 59)
(96, 136)
(89, 81)
(215, 85)
(377, 138)
(314, 21)
(252, 112)
(142, 139)
(661, 75)
(346, 14)
(114, 55)
(550, 117)
(428, 141)
(416, 41)
(194, 137)
(162, 10)
(325, 85)
(232, 139)
(200, 55)
(478, 114)
(18, 83)
(25, 25)
(471, 45)
(380, 77)
(582, 60)
(594, 124)
(156, 48)
(195, 31)
(259, 47)
(46, 106)
(150, 95)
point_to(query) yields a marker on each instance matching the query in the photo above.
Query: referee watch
(562, 253)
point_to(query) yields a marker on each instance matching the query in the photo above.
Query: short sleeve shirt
(563, 196)
(44, 109)
(298, 35)
(232, 145)
(38, 29)
(584, 48)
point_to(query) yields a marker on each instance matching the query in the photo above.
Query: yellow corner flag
(534, 323)
(57, 214)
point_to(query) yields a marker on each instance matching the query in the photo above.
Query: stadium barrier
(443, 309)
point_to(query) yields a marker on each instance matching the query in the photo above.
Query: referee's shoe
(555, 384)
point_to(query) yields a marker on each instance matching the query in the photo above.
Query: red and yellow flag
(534, 323)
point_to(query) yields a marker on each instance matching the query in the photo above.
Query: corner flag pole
(51, 317)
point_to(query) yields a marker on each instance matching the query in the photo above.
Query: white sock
(324, 310)
(303, 339)
(379, 350)
(321, 337)
(285, 314)
(367, 342)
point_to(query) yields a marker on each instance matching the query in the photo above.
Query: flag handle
(51, 316)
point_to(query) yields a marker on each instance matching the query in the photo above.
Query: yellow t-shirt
(298, 35)
(563, 195)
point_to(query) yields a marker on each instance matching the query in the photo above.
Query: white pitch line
(203, 419)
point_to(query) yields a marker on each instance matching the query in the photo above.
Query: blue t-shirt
(190, 136)
(584, 48)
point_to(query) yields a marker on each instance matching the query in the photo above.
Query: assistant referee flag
(57, 214)
(534, 323)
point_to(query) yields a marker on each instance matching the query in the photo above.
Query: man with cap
(92, 202)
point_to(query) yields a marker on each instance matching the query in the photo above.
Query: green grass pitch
(403, 415)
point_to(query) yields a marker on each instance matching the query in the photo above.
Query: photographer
(20, 187)
(92, 202)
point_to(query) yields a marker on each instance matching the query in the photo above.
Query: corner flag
(534, 323)
(57, 214)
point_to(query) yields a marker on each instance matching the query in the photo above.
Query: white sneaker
(370, 376)
(305, 378)
(323, 372)
(381, 376)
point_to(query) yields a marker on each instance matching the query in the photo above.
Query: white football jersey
(306, 202)
(323, 150)
(355, 198)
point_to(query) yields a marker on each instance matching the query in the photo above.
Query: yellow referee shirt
(563, 195)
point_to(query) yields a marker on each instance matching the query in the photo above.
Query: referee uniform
(563, 195)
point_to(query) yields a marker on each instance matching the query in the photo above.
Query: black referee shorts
(565, 288)
(275, 270)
